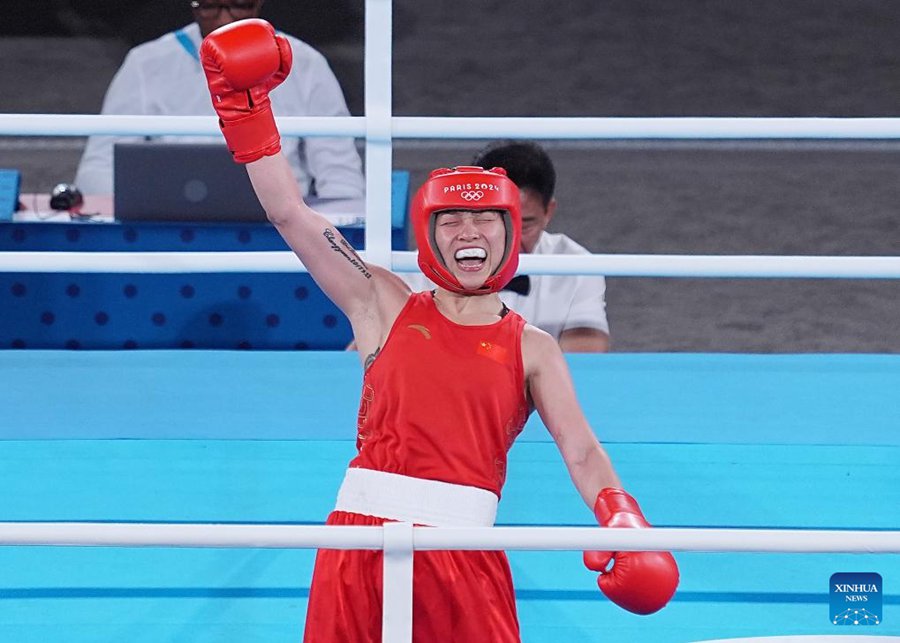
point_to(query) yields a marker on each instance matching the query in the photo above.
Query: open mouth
(470, 259)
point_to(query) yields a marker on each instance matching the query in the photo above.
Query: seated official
(572, 308)
(164, 77)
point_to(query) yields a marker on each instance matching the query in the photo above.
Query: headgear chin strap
(466, 188)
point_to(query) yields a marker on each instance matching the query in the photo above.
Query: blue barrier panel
(253, 311)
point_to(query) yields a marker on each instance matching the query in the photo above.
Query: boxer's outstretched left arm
(641, 582)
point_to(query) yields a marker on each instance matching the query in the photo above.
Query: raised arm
(641, 582)
(347, 280)
(243, 62)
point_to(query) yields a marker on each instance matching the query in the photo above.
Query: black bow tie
(519, 284)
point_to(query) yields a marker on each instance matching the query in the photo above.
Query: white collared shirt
(164, 77)
(559, 302)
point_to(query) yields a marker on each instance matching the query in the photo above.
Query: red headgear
(466, 188)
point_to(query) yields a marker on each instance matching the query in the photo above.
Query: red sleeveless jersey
(443, 401)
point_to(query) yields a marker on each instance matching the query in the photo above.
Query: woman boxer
(450, 378)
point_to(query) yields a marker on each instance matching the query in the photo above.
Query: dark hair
(525, 162)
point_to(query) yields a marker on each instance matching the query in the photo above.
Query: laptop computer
(197, 183)
(181, 182)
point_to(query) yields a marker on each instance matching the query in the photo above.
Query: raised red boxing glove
(639, 581)
(243, 61)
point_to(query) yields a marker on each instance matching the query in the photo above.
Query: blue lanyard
(187, 44)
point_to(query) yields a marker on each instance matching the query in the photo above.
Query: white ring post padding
(584, 128)
(448, 538)
(722, 266)
(379, 147)
(397, 590)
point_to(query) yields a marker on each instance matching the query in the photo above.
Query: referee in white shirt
(572, 308)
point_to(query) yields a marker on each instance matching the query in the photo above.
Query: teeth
(471, 253)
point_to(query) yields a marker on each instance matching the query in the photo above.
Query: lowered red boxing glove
(639, 581)
(243, 61)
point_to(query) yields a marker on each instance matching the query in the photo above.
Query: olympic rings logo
(475, 195)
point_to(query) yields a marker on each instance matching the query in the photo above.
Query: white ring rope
(723, 266)
(647, 128)
(422, 127)
(469, 127)
(134, 125)
(447, 538)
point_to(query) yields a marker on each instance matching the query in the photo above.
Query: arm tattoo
(370, 359)
(347, 250)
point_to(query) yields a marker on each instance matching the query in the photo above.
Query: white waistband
(423, 502)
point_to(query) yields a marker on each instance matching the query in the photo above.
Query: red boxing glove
(243, 61)
(639, 581)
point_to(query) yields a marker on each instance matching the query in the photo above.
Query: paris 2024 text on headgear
(466, 188)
